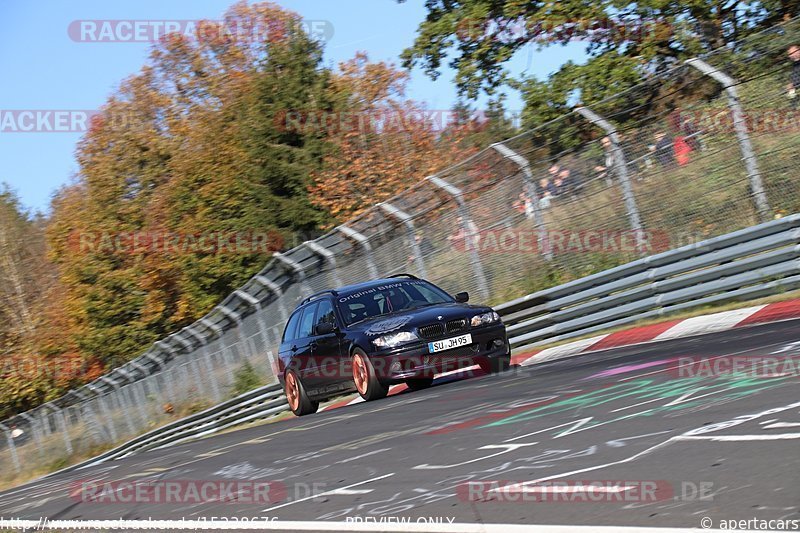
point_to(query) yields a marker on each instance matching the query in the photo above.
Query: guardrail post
(740, 126)
(470, 239)
(362, 241)
(622, 172)
(530, 192)
(408, 222)
(12, 448)
(326, 255)
(298, 269)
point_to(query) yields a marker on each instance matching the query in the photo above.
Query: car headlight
(486, 318)
(395, 339)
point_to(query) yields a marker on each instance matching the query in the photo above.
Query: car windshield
(390, 298)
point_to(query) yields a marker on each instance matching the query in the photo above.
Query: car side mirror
(462, 297)
(326, 328)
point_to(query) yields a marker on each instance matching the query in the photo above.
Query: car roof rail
(317, 295)
(404, 275)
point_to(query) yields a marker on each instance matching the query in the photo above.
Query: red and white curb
(672, 329)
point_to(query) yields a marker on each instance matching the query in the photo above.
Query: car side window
(306, 328)
(291, 327)
(325, 314)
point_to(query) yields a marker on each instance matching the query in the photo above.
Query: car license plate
(449, 344)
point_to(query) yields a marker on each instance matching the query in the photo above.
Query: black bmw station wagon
(368, 336)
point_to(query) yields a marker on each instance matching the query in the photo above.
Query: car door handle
(294, 348)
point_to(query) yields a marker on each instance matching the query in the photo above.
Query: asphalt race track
(723, 446)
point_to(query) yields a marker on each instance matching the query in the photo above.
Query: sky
(44, 69)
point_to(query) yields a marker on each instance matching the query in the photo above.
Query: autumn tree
(625, 42)
(383, 142)
(188, 147)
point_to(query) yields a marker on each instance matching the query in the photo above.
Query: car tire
(366, 380)
(296, 395)
(495, 365)
(419, 383)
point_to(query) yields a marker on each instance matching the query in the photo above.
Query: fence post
(362, 241)
(91, 418)
(408, 222)
(62, 423)
(236, 317)
(530, 190)
(207, 358)
(327, 256)
(223, 349)
(262, 327)
(11, 447)
(276, 290)
(36, 430)
(112, 431)
(740, 126)
(470, 239)
(298, 269)
(622, 172)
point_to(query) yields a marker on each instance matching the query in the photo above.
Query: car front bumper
(416, 361)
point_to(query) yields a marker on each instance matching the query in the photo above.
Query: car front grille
(433, 331)
(456, 326)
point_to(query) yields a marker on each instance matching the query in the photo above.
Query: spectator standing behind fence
(566, 182)
(794, 77)
(663, 149)
(545, 191)
(524, 204)
(466, 239)
(606, 170)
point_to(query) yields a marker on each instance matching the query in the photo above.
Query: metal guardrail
(746, 264)
(742, 265)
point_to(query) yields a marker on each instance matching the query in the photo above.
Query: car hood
(411, 318)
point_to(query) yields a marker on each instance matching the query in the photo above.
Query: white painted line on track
(373, 452)
(779, 425)
(741, 438)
